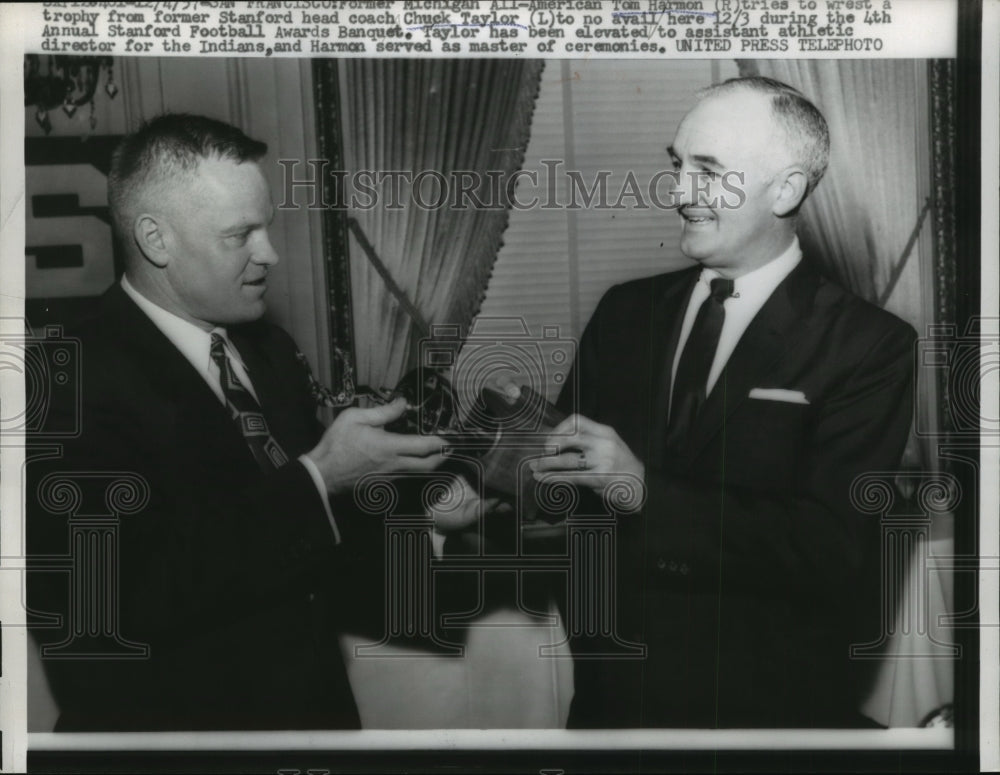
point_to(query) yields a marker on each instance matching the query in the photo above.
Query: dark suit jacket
(748, 566)
(227, 575)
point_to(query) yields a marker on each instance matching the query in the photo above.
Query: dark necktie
(695, 363)
(246, 412)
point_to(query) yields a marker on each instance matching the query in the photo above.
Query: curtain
(862, 226)
(413, 267)
(858, 221)
(418, 117)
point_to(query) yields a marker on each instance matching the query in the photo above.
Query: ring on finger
(581, 463)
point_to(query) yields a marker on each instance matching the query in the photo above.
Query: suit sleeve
(811, 539)
(578, 393)
(193, 555)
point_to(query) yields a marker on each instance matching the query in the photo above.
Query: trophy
(502, 428)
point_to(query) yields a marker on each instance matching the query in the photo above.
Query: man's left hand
(594, 452)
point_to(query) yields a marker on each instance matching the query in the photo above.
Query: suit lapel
(665, 327)
(771, 334)
(198, 416)
(150, 348)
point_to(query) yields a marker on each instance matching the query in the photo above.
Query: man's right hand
(357, 444)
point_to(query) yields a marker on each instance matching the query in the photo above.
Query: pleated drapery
(427, 127)
(415, 262)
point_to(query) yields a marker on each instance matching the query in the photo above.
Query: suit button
(661, 563)
(673, 566)
(311, 597)
(684, 569)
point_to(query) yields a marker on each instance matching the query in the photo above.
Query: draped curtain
(427, 116)
(859, 220)
(413, 267)
(867, 226)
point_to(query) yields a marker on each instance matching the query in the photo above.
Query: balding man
(748, 393)
(228, 575)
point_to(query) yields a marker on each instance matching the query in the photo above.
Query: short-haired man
(228, 575)
(748, 393)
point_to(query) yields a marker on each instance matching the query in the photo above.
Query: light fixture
(65, 81)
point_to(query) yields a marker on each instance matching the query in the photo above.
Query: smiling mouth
(696, 218)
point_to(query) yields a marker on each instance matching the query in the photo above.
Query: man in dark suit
(747, 393)
(228, 575)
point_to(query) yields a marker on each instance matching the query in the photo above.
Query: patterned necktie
(246, 411)
(696, 361)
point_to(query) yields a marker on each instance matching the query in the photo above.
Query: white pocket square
(779, 394)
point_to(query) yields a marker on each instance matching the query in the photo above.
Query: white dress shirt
(750, 291)
(195, 344)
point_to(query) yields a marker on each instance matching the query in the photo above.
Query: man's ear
(792, 185)
(151, 239)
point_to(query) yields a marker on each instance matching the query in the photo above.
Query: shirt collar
(193, 342)
(762, 281)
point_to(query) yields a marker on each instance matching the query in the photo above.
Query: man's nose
(694, 188)
(680, 192)
(264, 252)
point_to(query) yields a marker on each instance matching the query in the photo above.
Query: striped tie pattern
(246, 412)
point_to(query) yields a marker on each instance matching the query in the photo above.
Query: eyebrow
(701, 158)
(709, 160)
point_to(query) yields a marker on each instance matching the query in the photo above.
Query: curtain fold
(437, 122)
(432, 119)
(859, 220)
